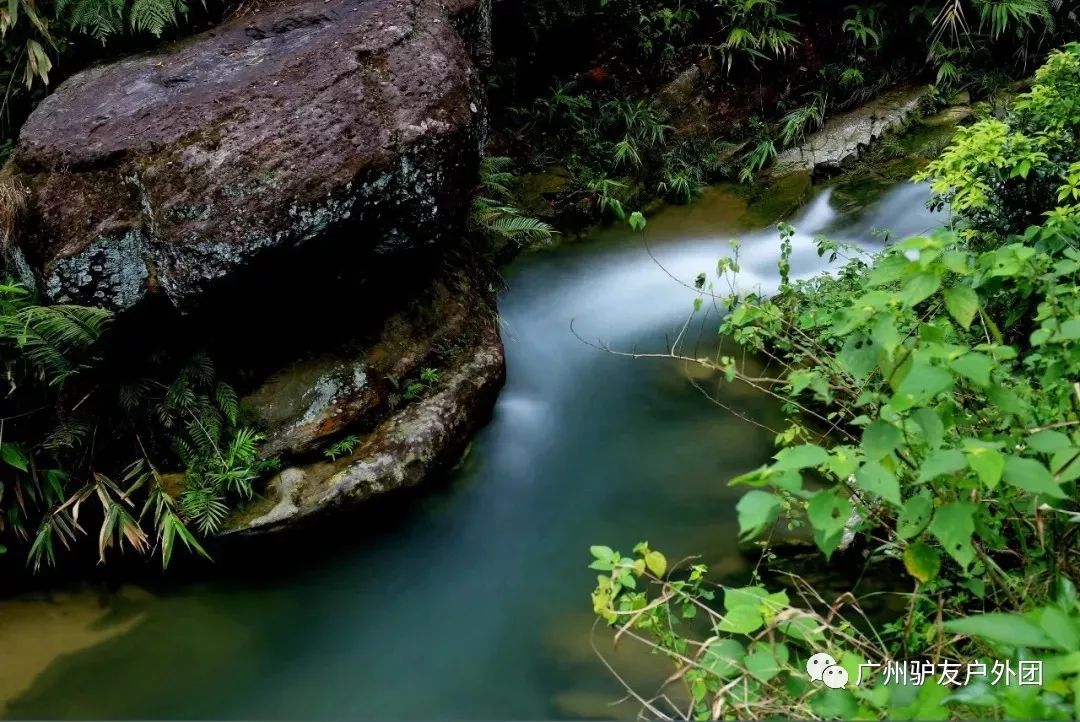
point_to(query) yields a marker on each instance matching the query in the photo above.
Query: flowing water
(471, 601)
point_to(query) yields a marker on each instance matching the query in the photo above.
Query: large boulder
(162, 174)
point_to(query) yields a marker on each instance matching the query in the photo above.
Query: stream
(471, 600)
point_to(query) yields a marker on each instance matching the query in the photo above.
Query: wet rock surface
(846, 135)
(313, 400)
(418, 440)
(165, 173)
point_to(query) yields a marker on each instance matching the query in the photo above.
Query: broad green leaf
(766, 661)
(1008, 629)
(741, 620)
(1063, 629)
(987, 464)
(962, 303)
(834, 704)
(879, 439)
(802, 628)
(757, 510)
(858, 356)
(602, 552)
(922, 562)
(974, 366)
(940, 463)
(931, 425)
(800, 457)
(656, 562)
(828, 511)
(723, 657)
(1049, 441)
(920, 287)
(953, 526)
(914, 516)
(13, 456)
(1065, 464)
(1031, 476)
(922, 383)
(876, 479)
(1070, 330)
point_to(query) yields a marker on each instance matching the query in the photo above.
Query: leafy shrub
(932, 395)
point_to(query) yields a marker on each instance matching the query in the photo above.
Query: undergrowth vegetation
(63, 427)
(932, 392)
(680, 94)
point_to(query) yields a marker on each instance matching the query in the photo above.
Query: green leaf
(922, 383)
(766, 661)
(920, 287)
(931, 425)
(757, 510)
(1009, 629)
(602, 552)
(828, 511)
(636, 221)
(914, 516)
(987, 464)
(940, 463)
(741, 620)
(1047, 442)
(805, 629)
(1031, 476)
(922, 562)
(880, 438)
(858, 356)
(962, 303)
(656, 562)
(800, 457)
(953, 526)
(835, 704)
(723, 657)
(14, 457)
(974, 366)
(1066, 464)
(876, 479)
(1059, 627)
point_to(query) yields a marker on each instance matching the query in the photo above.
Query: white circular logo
(817, 664)
(835, 677)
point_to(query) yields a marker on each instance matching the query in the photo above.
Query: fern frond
(153, 16)
(227, 401)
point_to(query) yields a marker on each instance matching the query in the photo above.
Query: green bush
(933, 393)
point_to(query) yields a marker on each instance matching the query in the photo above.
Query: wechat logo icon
(822, 667)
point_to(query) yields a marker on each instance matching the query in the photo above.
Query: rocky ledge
(846, 135)
(406, 428)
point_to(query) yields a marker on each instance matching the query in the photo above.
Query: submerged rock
(167, 172)
(846, 135)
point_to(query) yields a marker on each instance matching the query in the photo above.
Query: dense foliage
(71, 439)
(933, 393)
(671, 95)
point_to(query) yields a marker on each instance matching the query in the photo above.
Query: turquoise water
(470, 600)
